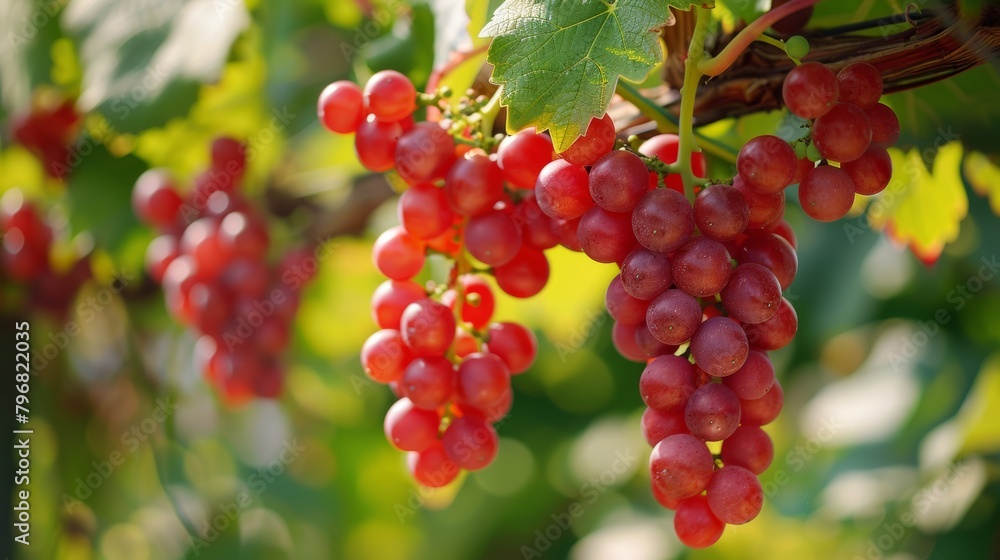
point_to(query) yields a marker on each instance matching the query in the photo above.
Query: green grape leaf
(29, 29)
(101, 202)
(923, 207)
(984, 176)
(559, 62)
(143, 67)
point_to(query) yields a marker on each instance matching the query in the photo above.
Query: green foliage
(923, 207)
(143, 68)
(559, 63)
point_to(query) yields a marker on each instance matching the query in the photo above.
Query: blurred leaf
(29, 29)
(977, 418)
(923, 208)
(984, 176)
(101, 202)
(143, 66)
(559, 63)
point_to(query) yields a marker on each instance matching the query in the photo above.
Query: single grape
(242, 235)
(470, 442)
(201, 240)
(424, 212)
(606, 236)
(764, 208)
(155, 199)
(384, 356)
(514, 344)
(538, 230)
(860, 83)
(524, 275)
(623, 307)
(428, 327)
(797, 46)
(390, 96)
(663, 220)
(397, 254)
(673, 317)
(763, 410)
(712, 413)
(409, 428)
(650, 346)
(522, 156)
(429, 382)
(843, 133)
(767, 164)
(749, 447)
(695, 524)
(391, 298)
(159, 254)
(784, 230)
(474, 185)
(492, 238)
(803, 166)
(810, 90)
(656, 425)
(680, 466)
(701, 267)
(752, 294)
(735, 495)
(754, 379)
(341, 107)
(623, 337)
(424, 153)
(721, 213)
(871, 172)
(884, 123)
(719, 346)
(772, 252)
(646, 274)
(826, 193)
(479, 302)
(563, 190)
(618, 181)
(597, 141)
(567, 232)
(432, 467)
(483, 380)
(667, 382)
(375, 144)
(775, 333)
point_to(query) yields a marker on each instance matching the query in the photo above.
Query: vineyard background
(888, 445)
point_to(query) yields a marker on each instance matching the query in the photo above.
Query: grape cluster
(28, 253)
(47, 132)
(702, 326)
(438, 350)
(848, 126)
(211, 259)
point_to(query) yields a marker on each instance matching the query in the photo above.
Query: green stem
(666, 122)
(489, 114)
(689, 91)
(779, 44)
(718, 64)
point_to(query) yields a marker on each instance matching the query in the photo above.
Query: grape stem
(489, 114)
(689, 91)
(715, 65)
(779, 44)
(667, 122)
